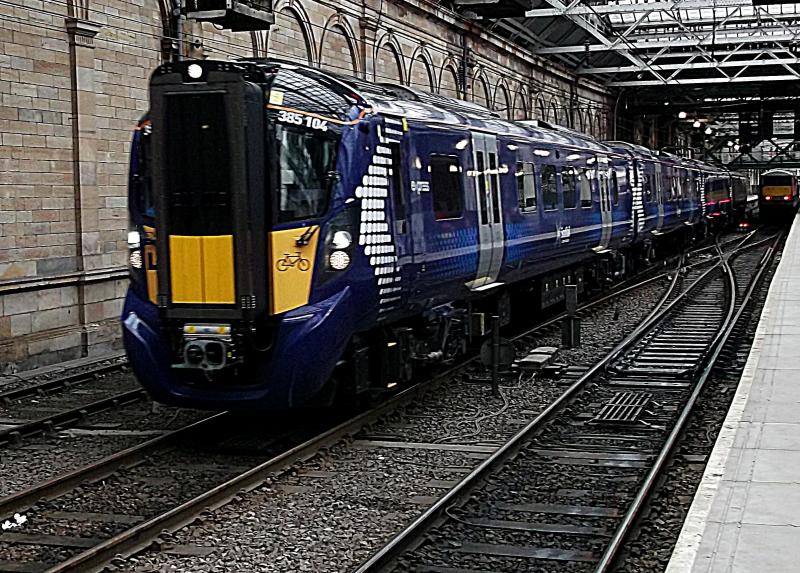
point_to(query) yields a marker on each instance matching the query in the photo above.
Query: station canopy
(735, 47)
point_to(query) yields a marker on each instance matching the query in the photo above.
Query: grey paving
(745, 517)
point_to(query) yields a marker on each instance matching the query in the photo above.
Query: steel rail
(462, 489)
(75, 378)
(733, 317)
(100, 469)
(48, 423)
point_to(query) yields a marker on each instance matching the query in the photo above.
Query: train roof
(335, 95)
(312, 89)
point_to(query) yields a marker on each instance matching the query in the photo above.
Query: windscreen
(776, 180)
(197, 165)
(306, 162)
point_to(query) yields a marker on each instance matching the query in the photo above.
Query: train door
(401, 208)
(659, 184)
(636, 184)
(490, 211)
(606, 219)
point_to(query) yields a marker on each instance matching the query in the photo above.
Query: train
(778, 193)
(299, 237)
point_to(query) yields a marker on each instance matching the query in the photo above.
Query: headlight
(341, 240)
(339, 251)
(339, 260)
(134, 239)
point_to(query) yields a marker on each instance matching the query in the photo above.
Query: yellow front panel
(776, 190)
(291, 267)
(186, 269)
(218, 283)
(151, 264)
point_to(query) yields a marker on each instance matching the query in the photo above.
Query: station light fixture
(696, 123)
(709, 131)
(730, 143)
(681, 115)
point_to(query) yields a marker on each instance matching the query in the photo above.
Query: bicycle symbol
(289, 261)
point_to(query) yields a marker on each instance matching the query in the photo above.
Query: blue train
(297, 235)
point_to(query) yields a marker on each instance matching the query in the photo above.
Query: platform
(745, 517)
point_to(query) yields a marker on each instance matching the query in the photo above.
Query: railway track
(565, 493)
(68, 536)
(93, 538)
(34, 407)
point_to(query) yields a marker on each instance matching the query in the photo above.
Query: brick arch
(449, 83)
(80, 9)
(165, 9)
(578, 123)
(389, 60)
(420, 70)
(539, 106)
(519, 109)
(259, 40)
(338, 47)
(598, 117)
(587, 122)
(502, 99)
(479, 79)
(590, 125)
(292, 21)
(553, 109)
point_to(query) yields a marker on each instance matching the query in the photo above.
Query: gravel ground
(35, 407)
(333, 511)
(38, 458)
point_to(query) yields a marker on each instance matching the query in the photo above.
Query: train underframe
(387, 357)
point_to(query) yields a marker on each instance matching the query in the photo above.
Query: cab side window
(446, 187)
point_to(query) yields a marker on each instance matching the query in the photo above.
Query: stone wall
(73, 82)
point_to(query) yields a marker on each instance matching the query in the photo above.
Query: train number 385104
(299, 119)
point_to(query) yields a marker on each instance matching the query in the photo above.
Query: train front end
(778, 193)
(234, 223)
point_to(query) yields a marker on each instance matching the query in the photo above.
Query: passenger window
(549, 190)
(635, 174)
(568, 187)
(446, 187)
(586, 188)
(526, 190)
